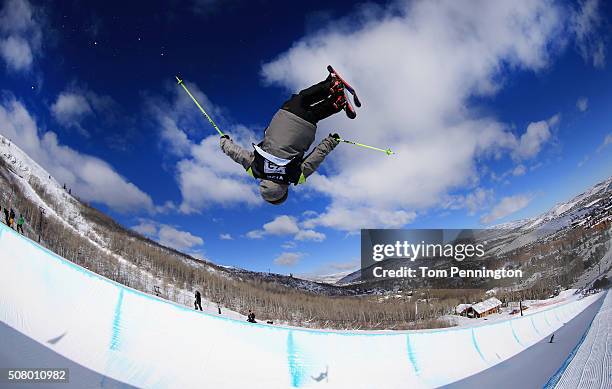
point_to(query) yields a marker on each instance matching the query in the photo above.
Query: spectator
(251, 317)
(11, 218)
(6, 216)
(198, 300)
(20, 224)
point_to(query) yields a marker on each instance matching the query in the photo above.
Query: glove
(225, 136)
(335, 136)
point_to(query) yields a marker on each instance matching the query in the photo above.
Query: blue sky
(497, 112)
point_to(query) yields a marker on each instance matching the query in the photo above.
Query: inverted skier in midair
(280, 159)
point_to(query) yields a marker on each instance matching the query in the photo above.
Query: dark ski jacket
(287, 137)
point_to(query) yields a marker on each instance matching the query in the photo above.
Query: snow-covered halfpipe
(141, 340)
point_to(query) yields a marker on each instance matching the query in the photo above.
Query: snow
(27, 170)
(591, 366)
(149, 342)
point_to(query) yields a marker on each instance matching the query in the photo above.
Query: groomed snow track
(138, 339)
(591, 365)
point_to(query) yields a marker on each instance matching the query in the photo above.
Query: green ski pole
(181, 83)
(387, 151)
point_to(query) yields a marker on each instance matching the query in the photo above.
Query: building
(462, 309)
(485, 308)
(481, 309)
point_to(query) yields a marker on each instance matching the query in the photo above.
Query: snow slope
(144, 341)
(591, 366)
(29, 171)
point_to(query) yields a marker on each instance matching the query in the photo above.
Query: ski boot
(341, 103)
(345, 85)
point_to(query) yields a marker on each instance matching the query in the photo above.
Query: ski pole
(181, 83)
(387, 151)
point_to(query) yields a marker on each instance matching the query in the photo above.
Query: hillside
(573, 233)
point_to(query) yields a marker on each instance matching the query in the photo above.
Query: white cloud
(519, 170)
(20, 34)
(77, 103)
(180, 240)
(416, 66)
(70, 108)
(167, 207)
(310, 235)
(226, 237)
(91, 178)
(255, 234)
(202, 186)
(585, 23)
(606, 142)
(146, 228)
(288, 259)
(282, 225)
(174, 138)
(286, 225)
(532, 141)
(507, 206)
(169, 236)
(582, 104)
(16, 52)
(205, 175)
(289, 245)
(353, 218)
(474, 201)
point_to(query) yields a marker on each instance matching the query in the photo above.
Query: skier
(6, 216)
(279, 160)
(20, 224)
(198, 301)
(552, 338)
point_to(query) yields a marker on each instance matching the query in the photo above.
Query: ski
(347, 86)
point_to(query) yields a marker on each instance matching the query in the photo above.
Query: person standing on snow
(251, 317)
(198, 301)
(11, 218)
(6, 216)
(20, 224)
(280, 160)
